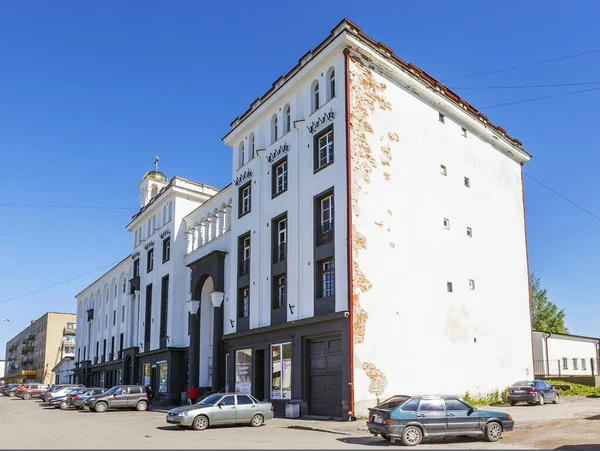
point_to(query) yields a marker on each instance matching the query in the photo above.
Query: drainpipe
(527, 260)
(547, 358)
(349, 237)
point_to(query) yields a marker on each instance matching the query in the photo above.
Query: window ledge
(319, 169)
(244, 214)
(279, 193)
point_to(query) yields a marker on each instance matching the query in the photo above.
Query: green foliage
(576, 389)
(487, 399)
(545, 315)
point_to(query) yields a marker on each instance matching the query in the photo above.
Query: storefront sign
(28, 372)
(243, 363)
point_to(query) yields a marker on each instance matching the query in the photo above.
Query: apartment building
(34, 352)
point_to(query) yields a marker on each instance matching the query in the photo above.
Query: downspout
(547, 358)
(527, 259)
(349, 236)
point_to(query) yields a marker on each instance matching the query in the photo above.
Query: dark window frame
(277, 301)
(243, 261)
(274, 179)
(150, 261)
(241, 211)
(136, 267)
(323, 236)
(166, 249)
(321, 274)
(243, 303)
(279, 247)
(316, 149)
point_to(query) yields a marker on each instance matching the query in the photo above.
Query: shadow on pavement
(580, 447)
(378, 441)
(595, 417)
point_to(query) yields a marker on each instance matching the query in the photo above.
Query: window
(150, 260)
(323, 149)
(287, 114)
(114, 317)
(455, 404)
(273, 128)
(136, 267)
(280, 293)
(446, 223)
(583, 364)
(464, 132)
(331, 82)
(467, 182)
(252, 146)
(327, 213)
(443, 170)
(280, 177)
(471, 284)
(315, 96)
(244, 400)
(575, 364)
(166, 249)
(565, 363)
(469, 232)
(164, 306)
(123, 314)
(124, 284)
(243, 364)
(245, 199)
(282, 231)
(442, 118)
(105, 322)
(431, 405)
(244, 303)
(281, 371)
(327, 278)
(449, 287)
(116, 289)
(242, 157)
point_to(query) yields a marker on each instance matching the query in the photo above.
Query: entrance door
(325, 377)
(259, 374)
(153, 381)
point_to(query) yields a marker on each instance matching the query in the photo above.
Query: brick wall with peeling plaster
(410, 334)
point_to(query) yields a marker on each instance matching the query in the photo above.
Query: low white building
(2, 367)
(63, 372)
(565, 354)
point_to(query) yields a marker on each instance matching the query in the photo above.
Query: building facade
(64, 371)
(558, 355)
(33, 353)
(374, 227)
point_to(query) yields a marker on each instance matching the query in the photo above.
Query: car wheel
(63, 405)
(385, 437)
(79, 407)
(11, 394)
(411, 436)
(141, 406)
(512, 403)
(556, 399)
(257, 420)
(493, 432)
(27, 396)
(541, 401)
(101, 407)
(200, 423)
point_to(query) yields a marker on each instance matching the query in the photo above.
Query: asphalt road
(32, 425)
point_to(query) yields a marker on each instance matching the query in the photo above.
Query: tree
(545, 315)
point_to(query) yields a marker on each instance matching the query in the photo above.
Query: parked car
(225, 408)
(28, 391)
(412, 418)
(54, 388)
(10, 390)
(77, 399)
(60, 391)
(532, 392)
(60, 401)
(135, 397)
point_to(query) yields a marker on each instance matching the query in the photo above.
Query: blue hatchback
(411, 418)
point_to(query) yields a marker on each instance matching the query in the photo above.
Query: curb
(310, 428)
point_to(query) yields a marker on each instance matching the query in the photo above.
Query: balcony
(134, 284)
(280, 253)
(69, 331)
(27, 350)
(244, 267)
(30, 337)
(90, 314)
(324, 234)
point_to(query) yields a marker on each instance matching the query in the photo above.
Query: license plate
(519, 391)
(378, 419)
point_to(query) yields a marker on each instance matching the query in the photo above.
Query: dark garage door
(325, 377)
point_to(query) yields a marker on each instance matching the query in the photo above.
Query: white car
(64, 391)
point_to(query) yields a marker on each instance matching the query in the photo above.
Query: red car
(28, 391)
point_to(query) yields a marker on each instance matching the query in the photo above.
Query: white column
(227, 218)
(221, 222)
(213, 226)
(201, 233)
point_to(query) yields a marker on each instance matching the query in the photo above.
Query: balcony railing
(280, 253)
(324, 234)
(570, 367)
(244, 267)
(69, 331)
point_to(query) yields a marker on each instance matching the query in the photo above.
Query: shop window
(281, 371)
(243, 363)
(162, 378)
(146, 374)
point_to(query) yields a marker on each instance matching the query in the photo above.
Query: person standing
(193, 394)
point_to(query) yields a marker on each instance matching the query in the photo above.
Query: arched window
(252, 148)
(315, 96)
(242, 156)
(274, 128)
(115, 290)
(124, 284)
(331, 80)
(287, 112)
(154, 191)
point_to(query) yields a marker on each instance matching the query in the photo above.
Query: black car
(532, 392)
(412, 418)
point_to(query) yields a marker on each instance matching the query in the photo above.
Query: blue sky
(90, 92)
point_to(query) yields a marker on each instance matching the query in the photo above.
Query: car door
(225, 410)
(549, 391)
(461, 418)
(432, 416)
(119, 399)
(246, 408)
(543, 388)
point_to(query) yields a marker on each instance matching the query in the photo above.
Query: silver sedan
(224, 408)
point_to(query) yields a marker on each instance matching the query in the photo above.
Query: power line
(539, 98)
(34, 230)
(522, 65)
(56, 284)
(563, 197)
(526, 86)
(65, 206)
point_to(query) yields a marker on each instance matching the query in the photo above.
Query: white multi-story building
(370, 242)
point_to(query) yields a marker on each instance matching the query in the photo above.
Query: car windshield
(524, 384)
(392, 402)
(210, 400)
(111, 391)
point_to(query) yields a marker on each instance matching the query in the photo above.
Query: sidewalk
(341, 428)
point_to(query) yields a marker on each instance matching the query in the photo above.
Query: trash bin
(292, 410)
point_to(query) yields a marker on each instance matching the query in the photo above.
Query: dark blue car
(411, 418)
(532, 392)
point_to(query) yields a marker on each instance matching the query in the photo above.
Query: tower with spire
(151, 184)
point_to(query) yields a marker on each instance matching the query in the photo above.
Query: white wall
(572, 348)
(417, 336)
(2, 368)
